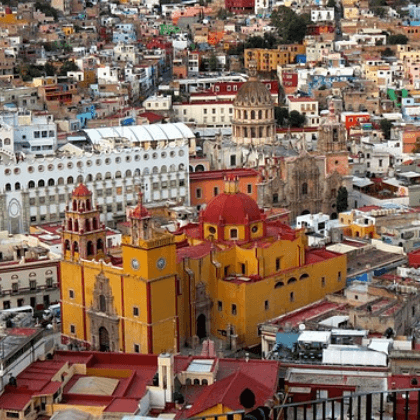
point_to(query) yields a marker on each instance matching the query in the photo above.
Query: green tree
(398, 39)
(387, 52)
(213, 62)
(296, 119)
(331, 3)
(45, 8)
(255, 42)
(386, 126)
(68, 66)
(342, 199)
(49, 69)
(282, 116)
(291, 27)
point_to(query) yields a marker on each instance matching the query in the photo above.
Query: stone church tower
(253, 112)
(309, 182)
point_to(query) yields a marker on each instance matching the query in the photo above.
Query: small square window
(234, 310)
(71, 294)
(278, 264)
(339, 276)
(323, 282)
(136, 348)
(249, 188)
(266, 305)
(219, 305)
(136, 311)
(72, 329)
(198, 192)
(292, 297)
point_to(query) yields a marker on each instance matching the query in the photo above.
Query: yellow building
(359, 224)
(269, 59)
(221, 277)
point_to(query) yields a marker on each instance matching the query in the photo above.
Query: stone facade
(309, 182)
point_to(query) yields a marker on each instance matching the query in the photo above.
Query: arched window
(188, 381)
(260, 114)
(155, 170)
(8, 187)
(89, 247)
(304, 188)
(87, 225)
(100, 245)
(70, 224)
(95, 223)
(108, 175)
(234, 234)
(67, 245)
(74, 205)
(75, 246)
(137, 172)
(102, 303)
(89, 178)
(41, 183)
(79, 179)
(163, 169)
(88, 205)
(128, 173)
(181, 167)
(245, 115)
(118, 174)
(172, 168)
(252, 115)
(304, 276)
(99, 177)
(196, 381)
(291, 280)
(70, 180)
(60, 181)
(204, 382)
(76, 225)
(278, 285)
(31, 184)
(51, 182)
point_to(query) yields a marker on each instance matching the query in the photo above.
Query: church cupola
(232, 216)
(83, 234)
(140, 223)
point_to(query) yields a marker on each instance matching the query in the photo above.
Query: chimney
(166, 375)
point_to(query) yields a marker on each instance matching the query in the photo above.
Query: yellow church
(221, 277)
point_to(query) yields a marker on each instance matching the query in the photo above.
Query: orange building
(206, 185)
(409, 138)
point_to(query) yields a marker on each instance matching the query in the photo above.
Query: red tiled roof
(227, 392)
(194, 252)
(151, 117)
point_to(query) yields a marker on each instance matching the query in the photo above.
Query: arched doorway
(334, 216)
(103, 339)
(201, 326)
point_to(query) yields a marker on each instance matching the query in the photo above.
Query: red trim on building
(123, 315)
(149, 319)
(177, 285)
(84, 304)
(61, 295)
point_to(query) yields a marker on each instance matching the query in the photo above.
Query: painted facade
(221, 277)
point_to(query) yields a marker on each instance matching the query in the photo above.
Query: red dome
(81, 191)
(139, 212)
(232, 209)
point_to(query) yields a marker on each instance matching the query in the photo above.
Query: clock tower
(149, 259)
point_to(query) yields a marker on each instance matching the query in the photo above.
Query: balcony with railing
(402, 404)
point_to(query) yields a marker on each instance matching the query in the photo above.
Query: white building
(154, 157)
(29, 273)
(210, 114)
(35, 134)
(158, 103)
(322, 14)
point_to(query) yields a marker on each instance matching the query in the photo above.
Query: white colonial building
(206, 113)
(153, 157)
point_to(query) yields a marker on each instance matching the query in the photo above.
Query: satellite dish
(302, 327)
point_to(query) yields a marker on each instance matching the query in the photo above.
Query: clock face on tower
(135, 264)
(161, 263)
